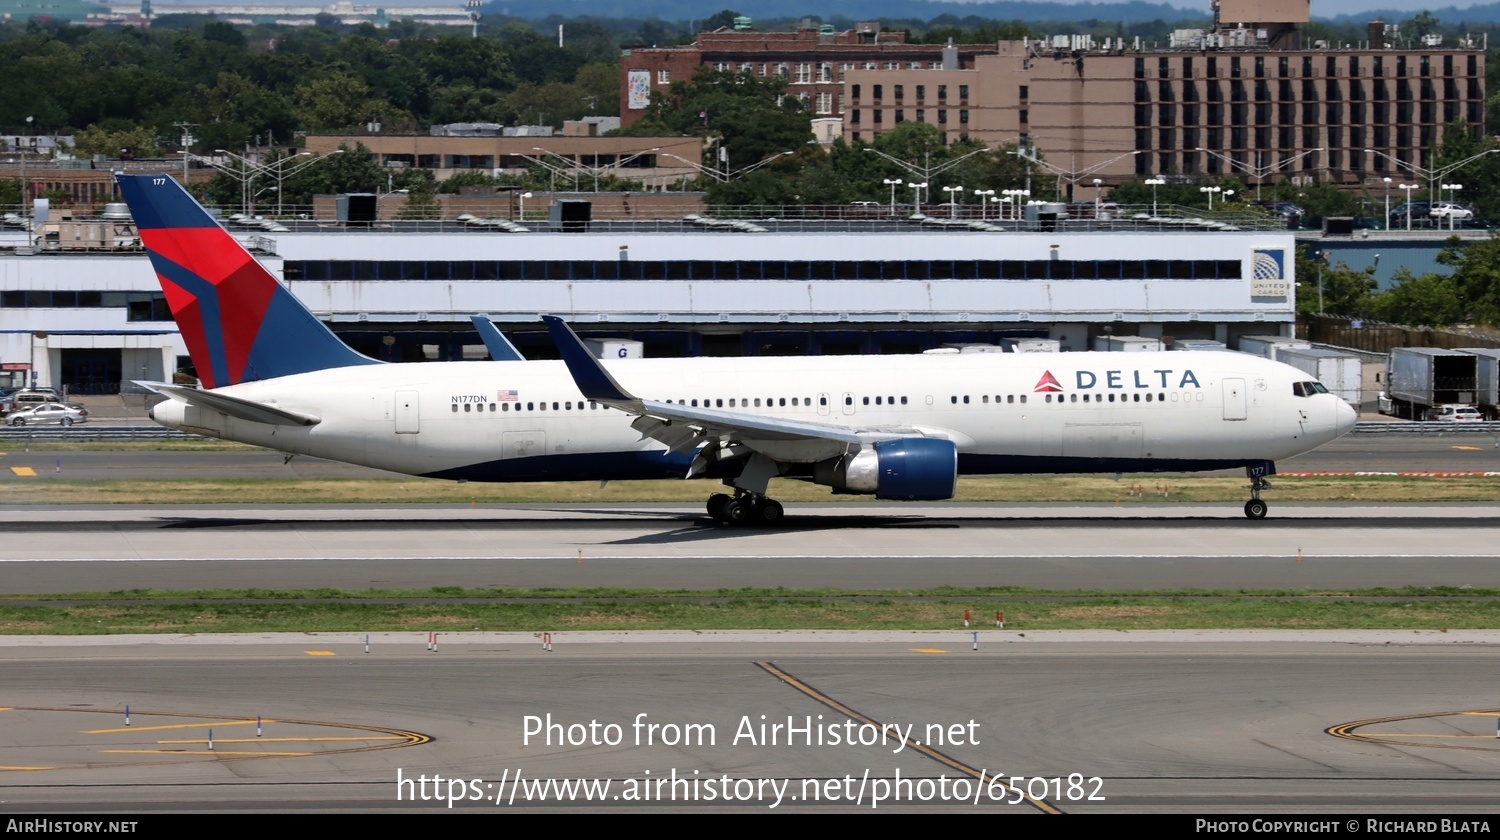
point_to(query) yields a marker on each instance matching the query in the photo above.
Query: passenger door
(1234, 399)
(408, 418)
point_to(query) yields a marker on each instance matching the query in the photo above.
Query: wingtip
(153, 387)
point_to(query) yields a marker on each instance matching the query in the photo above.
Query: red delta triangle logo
(1048, 383)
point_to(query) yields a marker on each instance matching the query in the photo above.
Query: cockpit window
(1307, 389)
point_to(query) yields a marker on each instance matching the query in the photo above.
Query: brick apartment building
(814, 61)
(1246, 97)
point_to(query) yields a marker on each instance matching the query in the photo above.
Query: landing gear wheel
(1255, 509)
(737, 512)
(716, 506)
(770, 511)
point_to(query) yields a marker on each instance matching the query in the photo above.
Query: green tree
(420, 204)
(599, 88)
(339, 101)
(1339, 289)
(749, 117)
(720, 20)
(353, 171)
(1429, 300)
(548, 104)
(1422, 23)
(94, 140)
(759, 188)
(1476, 274)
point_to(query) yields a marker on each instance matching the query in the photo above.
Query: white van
(29, 399)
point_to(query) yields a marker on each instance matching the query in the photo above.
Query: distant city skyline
(1320, 8)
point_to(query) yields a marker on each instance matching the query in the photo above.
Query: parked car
(1444, 211)
(1420, 213)
(1292, 213)
(63, 415)
(1455, 414)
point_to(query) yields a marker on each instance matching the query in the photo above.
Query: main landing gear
(744, 508)
(1255, 508)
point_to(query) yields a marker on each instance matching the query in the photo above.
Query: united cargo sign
(1268, 278)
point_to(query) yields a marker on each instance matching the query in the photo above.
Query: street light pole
(1209, 191)
(1072, 176)
(1432, 175)
(725, 176)
(1387, 203)
(1322, 257)
(1408, 188)
(1097, 182)
(1016, 197)
(893, 183)
(249, 169)
(1260, 172)
(926, 172)
(916, 190)
(984, 196)
(1154, 183)
(23, 165)
(953, 194)
(1452, 199)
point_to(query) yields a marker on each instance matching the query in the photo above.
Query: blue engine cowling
(916, 469)
(907, 469)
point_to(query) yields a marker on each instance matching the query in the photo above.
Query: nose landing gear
(1255, 508)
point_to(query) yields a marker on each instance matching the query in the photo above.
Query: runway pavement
(1173, 723)
(1188, 723)
(868, 546)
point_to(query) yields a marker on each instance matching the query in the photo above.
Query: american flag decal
(506, 396)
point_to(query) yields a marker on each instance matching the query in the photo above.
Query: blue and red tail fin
(239, 323)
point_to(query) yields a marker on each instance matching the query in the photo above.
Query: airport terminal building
(87, 314)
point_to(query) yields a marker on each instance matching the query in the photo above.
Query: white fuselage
(1042, 412)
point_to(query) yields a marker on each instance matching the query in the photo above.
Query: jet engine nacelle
(905, 469)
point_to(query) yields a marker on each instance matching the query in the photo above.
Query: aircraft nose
(1344, 418)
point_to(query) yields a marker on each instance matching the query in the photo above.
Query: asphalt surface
(1188, 723)
(1459, 450)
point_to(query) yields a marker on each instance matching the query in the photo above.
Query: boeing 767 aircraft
(897, 427)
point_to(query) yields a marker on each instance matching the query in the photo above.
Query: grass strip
(951, 593)
(1128, 490)
(1113, 613)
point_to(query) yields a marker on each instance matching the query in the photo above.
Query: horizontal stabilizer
(233, 406)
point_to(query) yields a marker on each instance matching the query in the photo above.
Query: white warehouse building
(87, 315)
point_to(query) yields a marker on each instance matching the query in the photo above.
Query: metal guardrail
(90, 433)
(1407, 427)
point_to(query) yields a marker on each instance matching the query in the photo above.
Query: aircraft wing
(683, 428)
(232, 406)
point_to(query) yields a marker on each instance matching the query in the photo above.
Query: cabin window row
(1012, 399)
(492, 407)
(325, 270)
